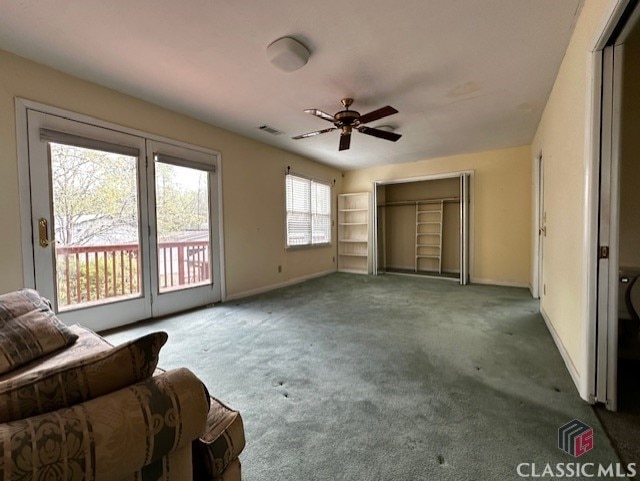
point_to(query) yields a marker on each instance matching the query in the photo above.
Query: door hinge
(603, 252)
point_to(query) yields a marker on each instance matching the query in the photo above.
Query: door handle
(543, 231)
(43, 233)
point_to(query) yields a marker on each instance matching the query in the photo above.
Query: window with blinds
(308, 211)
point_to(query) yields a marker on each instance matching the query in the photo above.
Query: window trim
(310, 245)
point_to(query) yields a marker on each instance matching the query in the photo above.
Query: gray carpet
(623, 426)
(352, 377)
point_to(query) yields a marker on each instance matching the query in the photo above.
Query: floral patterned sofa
(74, 407)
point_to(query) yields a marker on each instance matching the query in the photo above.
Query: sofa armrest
(107, 437)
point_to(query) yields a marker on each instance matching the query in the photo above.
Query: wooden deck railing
(99, 273)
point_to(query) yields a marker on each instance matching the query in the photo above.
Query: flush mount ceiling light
(288, 54)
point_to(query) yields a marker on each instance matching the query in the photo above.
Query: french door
(124, 228)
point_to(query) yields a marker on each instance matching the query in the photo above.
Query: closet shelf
(353, 223)
(353, 210)
(438, 211)
(353, 240)
(344, 254)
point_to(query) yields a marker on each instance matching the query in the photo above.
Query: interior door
(542, 226)
(88, 203)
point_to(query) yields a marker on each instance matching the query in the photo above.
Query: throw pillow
(85, 378)
(28, 329)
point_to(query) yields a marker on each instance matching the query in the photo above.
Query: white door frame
(538, 226)
(22, 106)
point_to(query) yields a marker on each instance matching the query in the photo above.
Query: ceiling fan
(347, 120)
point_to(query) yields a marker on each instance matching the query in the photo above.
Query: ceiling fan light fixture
(348, 121)
(288, 54)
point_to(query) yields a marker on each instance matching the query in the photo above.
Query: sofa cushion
(28, 329)
(107, 438)
(221, 444)
(87, 377)
(88, 342)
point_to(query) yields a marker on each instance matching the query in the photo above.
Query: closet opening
(421, 227)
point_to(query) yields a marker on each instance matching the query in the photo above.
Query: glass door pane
(183, 228)
(95, 226)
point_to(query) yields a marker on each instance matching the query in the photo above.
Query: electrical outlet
(334, 259)
(279, 268)
(544, 289)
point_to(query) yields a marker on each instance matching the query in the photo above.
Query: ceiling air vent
(271, 130)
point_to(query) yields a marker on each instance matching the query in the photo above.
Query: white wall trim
(495, 282)
(271, 287)
(24, 191)
(608, 24)
(563, 351)
(418, 178)
(223, 268)
(535, 241)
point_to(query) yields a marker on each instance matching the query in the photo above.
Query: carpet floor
(623, 426)
(349, 377)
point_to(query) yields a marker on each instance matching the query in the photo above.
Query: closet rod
(424, 201)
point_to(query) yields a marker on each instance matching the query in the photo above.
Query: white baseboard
(493, 282)
(563, 351)
(290, 282)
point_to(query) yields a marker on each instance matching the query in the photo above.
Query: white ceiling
(466, 75)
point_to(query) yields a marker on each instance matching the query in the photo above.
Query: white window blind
(308, 211)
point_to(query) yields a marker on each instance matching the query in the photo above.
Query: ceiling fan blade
(345, 141)
(321, 114)
(312, 134)
(381, 134)
(377, 114)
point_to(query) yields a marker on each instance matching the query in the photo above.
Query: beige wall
(500, 197)
(253, 182)
(630, 156)
(562, 138)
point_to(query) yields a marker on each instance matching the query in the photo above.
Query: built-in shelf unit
(429, 219)
(354, 233)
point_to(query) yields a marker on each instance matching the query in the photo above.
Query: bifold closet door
(464, 229)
